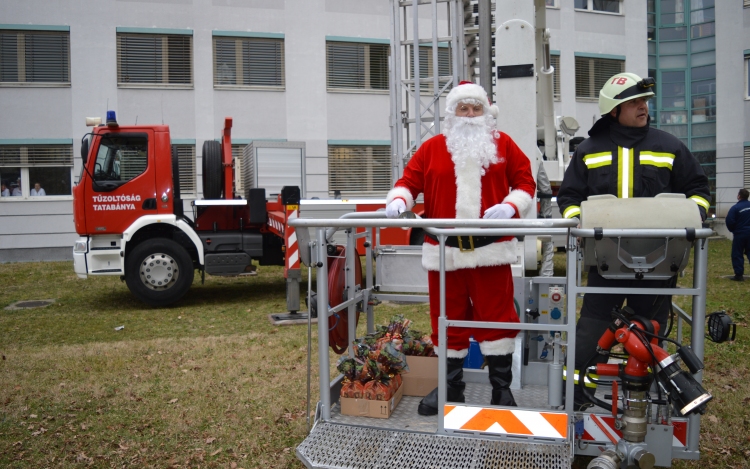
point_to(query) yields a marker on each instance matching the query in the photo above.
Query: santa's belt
(466, 243)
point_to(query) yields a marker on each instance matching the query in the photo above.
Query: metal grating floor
(337, 446)
(407, 440)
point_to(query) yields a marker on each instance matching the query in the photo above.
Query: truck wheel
(159, 272)
(213, 172)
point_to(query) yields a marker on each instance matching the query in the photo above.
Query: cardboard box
(369, 408)
(422, 376)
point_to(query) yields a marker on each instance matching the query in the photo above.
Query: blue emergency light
(111, 119)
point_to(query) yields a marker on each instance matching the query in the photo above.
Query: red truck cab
(129, 215)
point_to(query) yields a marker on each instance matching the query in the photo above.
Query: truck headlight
(81, 247)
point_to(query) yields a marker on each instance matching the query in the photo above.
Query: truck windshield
(121, 157)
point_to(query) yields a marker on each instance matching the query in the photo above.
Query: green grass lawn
(211, 382)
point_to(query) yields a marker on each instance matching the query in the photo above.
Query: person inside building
(470, 171)
(625, 157)
(4, 191)
(15, 189)
(37, 190)
(738, 223)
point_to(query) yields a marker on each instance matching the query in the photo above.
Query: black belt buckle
(461, 244)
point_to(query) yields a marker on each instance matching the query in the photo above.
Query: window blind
(34, 57)
(555, 61)
(359, 170)
(248, 62)
(357, 66)
(426, 64)
(592, 74)
(237, 152)
(747, 161)
(36, 155)
(186, 161)
(154, 59)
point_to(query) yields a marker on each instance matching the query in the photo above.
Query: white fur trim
(498, 347)
(465, 91)
(521, 199)
(494, 110)
(492, 254)
(468, 189)
(458, 353)
(402, 192)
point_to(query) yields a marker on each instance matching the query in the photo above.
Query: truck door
(124, 179)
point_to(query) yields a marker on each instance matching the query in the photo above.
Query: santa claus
(471, 171)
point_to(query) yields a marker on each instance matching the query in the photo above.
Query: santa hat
(468, 90)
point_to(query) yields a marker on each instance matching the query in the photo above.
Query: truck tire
(213, 172)
(159, 272)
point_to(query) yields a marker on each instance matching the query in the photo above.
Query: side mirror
(84, 149)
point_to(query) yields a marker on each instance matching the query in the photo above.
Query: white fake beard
(471, 138)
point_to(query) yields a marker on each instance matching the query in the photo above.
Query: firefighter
(467, 173)
(738, 223)
(625, 157)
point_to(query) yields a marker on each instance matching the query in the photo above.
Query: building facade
(313, 72)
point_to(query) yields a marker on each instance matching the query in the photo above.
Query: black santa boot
(501, 375)
(429, 404)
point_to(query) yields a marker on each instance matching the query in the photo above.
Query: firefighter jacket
(738, 218)
(631, 162)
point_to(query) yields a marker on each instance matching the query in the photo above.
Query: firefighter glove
(500, 212)
(395, 208)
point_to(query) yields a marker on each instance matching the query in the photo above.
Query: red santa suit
(479, 284)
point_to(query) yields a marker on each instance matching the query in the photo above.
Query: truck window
(121, 157)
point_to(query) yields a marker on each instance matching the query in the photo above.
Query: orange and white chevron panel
(506, 422)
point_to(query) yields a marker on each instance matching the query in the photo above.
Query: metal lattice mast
(415, 92)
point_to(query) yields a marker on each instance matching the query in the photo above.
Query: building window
(186, 162)
(357, 66)
(359, 170)
(28, 56)
(155, 60)
(747, 164)
(608, 6)
(747, 77)
(551, 3)
(746, 4)
(31, 171)
(445, 74)
(555, 61)
(244, 62)
(592, 73)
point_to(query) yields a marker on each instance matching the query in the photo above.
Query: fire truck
(131, 221)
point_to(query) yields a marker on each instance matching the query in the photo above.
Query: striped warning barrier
(290, 239)
(602, 428)
(506, 422)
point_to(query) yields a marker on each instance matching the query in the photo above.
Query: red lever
(615, 397)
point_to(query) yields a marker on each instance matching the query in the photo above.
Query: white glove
(500, 212)
(395, 208)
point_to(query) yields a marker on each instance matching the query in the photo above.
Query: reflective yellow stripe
(661, 160)
(624, 173)
(597, 160)
(701, 201)
(588, 383)
(572, 211)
